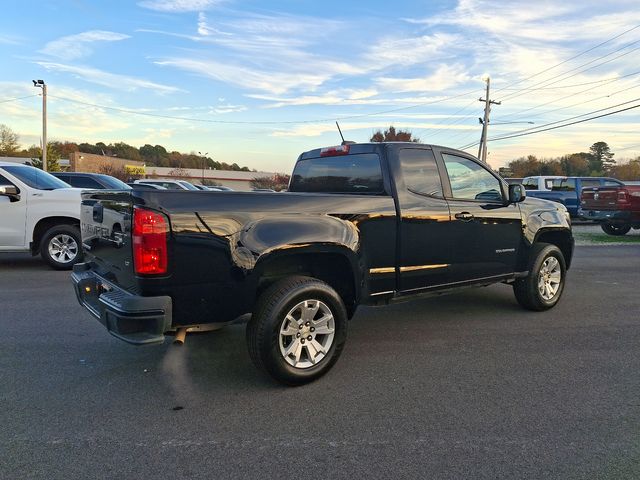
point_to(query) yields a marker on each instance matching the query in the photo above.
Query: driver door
(487, 229)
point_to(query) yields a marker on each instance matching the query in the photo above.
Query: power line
(519, 112)
(579, 116)
(540, 129)
(515, 95)
(18, 98)
(569, 59)
(247, 122)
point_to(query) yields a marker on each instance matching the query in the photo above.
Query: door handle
(464, 216)
(36, 194)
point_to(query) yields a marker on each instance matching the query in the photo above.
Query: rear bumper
(613, 216)
(131, 318)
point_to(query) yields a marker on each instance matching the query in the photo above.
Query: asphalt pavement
(466, 386)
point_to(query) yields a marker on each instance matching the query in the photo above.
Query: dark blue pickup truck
(566, 190)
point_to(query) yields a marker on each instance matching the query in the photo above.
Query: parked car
(616, 208)
(361, 224)
(91, 180)
(40, 214)
(567, 190)
(170, 184)
(514, 181)
(146, 186)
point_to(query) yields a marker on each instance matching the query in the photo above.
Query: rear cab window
(358, 173)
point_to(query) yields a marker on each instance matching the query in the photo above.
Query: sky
(258, 82)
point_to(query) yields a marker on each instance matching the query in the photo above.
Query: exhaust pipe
(181, 333)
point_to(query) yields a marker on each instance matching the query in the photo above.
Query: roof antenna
(344, 142)
(340, 131)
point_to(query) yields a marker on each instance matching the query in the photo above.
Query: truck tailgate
(105, 221)
(600, 198)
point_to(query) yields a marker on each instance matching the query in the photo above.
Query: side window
(470, 181)
(611, 183)
(564, 184)
(548, 183)
(590, 183)
(530, 183)
(420, 172)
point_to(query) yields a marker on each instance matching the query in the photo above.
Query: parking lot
(462, 386)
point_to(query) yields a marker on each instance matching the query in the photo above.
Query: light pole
(204, 158)
(43, 86)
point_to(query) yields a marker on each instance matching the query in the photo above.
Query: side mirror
(10, 191)
(517, 193)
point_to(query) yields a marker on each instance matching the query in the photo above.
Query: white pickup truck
(39, 214)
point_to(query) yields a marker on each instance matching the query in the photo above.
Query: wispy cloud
(269, 80)
(108, 79)
(178, 6)
(71, 47)
(445, 77)
(9, 40)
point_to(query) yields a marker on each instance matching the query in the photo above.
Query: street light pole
(41, 84)
(204, 158)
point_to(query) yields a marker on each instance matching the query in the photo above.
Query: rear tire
(298, 330)
(61, 246)
(616, 229)
(542, 288)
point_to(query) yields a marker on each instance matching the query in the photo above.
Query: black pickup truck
(361, 224)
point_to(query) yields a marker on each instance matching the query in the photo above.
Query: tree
(278, 182)
(53, 157)
(117, 172)
(390, 135)
(576, 164)
(8, 141)
(601, 158)
(627, 171)
(525, 166)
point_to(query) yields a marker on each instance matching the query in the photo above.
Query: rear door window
(356, 173)
(420, 172)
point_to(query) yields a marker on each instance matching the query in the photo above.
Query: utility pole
(41, 84)
(204, 159)
(482, 149)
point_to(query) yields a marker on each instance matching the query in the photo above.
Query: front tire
(298, 330)
(542, 288)
(61, 247)
(616, 229)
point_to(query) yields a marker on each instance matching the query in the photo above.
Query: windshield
(36, 178)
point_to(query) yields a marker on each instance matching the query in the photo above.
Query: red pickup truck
(616, 208)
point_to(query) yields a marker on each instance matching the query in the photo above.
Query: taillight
(149, 242)
(334, 151)
(622, 196)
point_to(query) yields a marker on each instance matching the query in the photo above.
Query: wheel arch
(335, 265)
(45, 224)
(561, 238)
